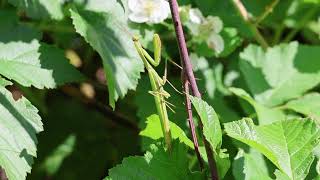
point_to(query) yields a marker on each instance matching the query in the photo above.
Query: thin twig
(266, 12)
(190, 76)
(308, 15)
(116, 118)
(190, 119)
(245, 16)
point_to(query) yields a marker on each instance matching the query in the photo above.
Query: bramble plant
(83, 96)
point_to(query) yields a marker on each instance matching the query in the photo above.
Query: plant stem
(3, 174)
(190, 119)
(190, 77)
(278, 34)
(245, 16)
(301, 23)
(267, 11)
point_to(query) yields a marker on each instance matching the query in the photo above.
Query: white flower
(196, 16)
(215, 23)
(152, 11)
(216, 42)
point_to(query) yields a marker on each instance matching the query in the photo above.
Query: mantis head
(135, 38)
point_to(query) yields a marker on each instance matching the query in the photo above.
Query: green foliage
(213, 134)
(270, 74)
(153, 131)
(265, 115)
(253, 60)
(307, 104)
(40, 8)
(287, 144)
(210, 121)
(106, 33)
(20, 123)
(157, 163)
(48, 65)
(250, 166)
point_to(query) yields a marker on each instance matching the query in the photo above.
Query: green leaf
(19, 124)
(11, 30)
(287, 144)
(211, 125)
(156, 164)
(270, 75)
(232, 40)
(213, 134)
(222, 160)
(106, 33)
(4, 82)
(154, 131)
(212, 83)
(308, 105)
(54, 161)
(250, 166)
(265, 115)
(48, 65)
(40, 9)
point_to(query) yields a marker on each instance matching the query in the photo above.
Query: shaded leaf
(250, 166)
(39, 9)
(11, 30)
(232, 40)
(55, 160)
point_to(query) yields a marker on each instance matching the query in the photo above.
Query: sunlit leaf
(287, 144)
(270, 75)
(154, 131)
(19, 124)
(265, 115)
(106, 33)
(155, 164)
(308, 105)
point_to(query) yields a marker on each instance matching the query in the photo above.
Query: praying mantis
(157, 83)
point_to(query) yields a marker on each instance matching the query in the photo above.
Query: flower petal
(160, 13)
(195, 16)
(135, 5)
(216, 23)
(216, 42)
(138, 17)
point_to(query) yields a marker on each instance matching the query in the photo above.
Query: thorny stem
(190, 119)
(190, 77)
(267, 11)
(245, 16)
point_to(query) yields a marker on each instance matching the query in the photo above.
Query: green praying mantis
(157, 83)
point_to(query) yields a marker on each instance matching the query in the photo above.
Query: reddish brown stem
(187, 66)
(190, 119)
(3, 174)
